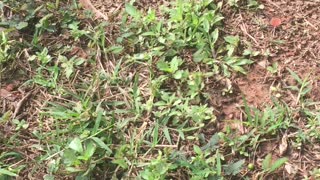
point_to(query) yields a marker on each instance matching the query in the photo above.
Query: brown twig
(21, 103)
(88, 5)
(244, 30)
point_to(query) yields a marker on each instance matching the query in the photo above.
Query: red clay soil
(294, 44)
(289, 31)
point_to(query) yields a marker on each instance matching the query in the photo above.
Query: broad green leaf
(48, 177)
(90, 149)
(226, 72)
(306, 91)
(146, 174)
(233, 2)
(243, 61)
(70, 158)
(294, 88)
(68, 70)
(8, 173)
(217, 19)
(250, 52)
(199, 55)
(116, 49)
(12, 154)
(231, 49)
(238, 69)
(278, 164)
(73, 170)
(180, 74)
(102, 144)
(295, 76)
(151, 16)
(155, 134)
(124, 36)
(177, 14)
(5, 117)
(161, 39)
(213, 143)
(76, 145)
(150, 33)
(63, 59)
(132, 11)
(67, 65)
(207, 2)
(97, 122)
(163, 66)
(234, 168)
(247, 52)
(195, 20)
(206, 25)
(233, 40)
(181, 134)
(140, 56)
(219, 166)
(197, 149)
(121, 162)
(79, 61)
(175, 63)
(21, 25)
(266, 163)
(167, 134)
(214, 36)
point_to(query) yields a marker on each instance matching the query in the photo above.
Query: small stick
(20, 104)
(243, 28)
(88, 5)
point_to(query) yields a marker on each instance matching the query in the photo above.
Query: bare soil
(295, 44)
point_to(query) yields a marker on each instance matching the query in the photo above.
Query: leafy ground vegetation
(183, 89)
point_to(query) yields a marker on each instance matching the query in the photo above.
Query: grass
(135, 103)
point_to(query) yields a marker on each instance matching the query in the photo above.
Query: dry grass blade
(283, 147)
(88, 5)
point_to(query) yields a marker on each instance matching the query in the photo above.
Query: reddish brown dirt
(294, 44)
(253, 88)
